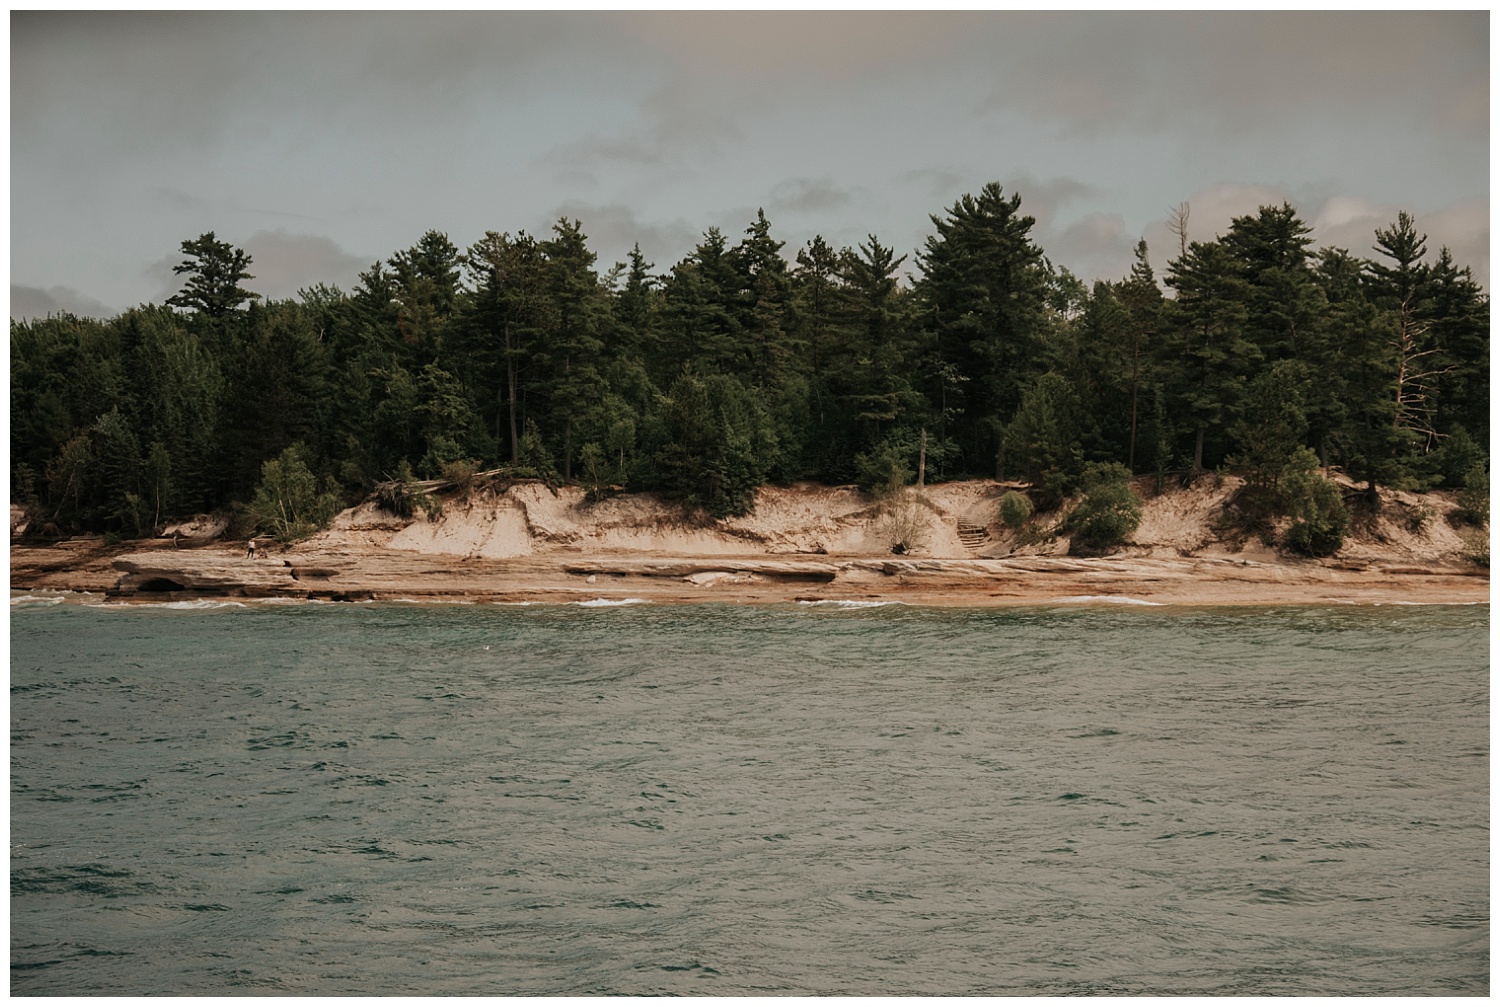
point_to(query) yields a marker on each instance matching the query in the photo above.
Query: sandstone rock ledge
(389, 575)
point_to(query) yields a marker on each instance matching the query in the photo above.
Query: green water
(364, 799)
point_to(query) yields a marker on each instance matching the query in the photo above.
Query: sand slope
(525, 541)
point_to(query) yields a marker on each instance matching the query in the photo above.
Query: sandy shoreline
(752, 580)
(526, 542)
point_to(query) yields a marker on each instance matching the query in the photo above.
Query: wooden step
(973, 536)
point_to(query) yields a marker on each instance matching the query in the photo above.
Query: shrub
(905, 524)
(1418, 517)
(1474, 498)
(1458, 454)
(1110, 510)
(287, 503)
(1015, 508)
(1319, 517)
(884, 469)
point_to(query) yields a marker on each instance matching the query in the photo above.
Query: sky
(322, 143)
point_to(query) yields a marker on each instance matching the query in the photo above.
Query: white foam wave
(850, 603)
(611, 602)
(37, 599)
(1111, 599)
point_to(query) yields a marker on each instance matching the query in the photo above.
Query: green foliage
(287, 504)
(1015, 509)
(735, 366)
(463, 474)
(1109, 512)
(402, 495)
(1474, 498)
(214, 269)
(1043, 439)
(1319, 517)
(1273, 423)
(1456, 456)
(983, 295)
(720, 444)
(885, 468)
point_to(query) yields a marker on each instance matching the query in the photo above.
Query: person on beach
(250, 553)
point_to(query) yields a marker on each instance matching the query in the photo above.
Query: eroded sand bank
(525, 542)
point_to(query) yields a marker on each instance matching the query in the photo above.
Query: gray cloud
(671, 122)
(284, 263)
(1045, 199)
(281, 263)
(131, 131)
(1096, 245)
(614, 229)
(806, 195)
(35, 302)
(939, 182)
(1239, 71)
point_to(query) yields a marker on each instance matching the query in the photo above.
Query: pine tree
(983, 293)
(1208, 356)
(214, 269)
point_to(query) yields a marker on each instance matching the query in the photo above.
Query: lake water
(802, 799)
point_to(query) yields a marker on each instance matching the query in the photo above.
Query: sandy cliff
(805, 542)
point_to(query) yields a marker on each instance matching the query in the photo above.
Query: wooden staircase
(974, 537)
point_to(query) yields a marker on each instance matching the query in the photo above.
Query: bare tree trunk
(1177, 219)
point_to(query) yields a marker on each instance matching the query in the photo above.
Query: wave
(37, 599)
(850, 603)
(1112, 599)
(611, 602)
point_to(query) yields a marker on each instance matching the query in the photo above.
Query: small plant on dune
(1474, 498)
(1015, 509)
(1319, 517)
(1110, 510)
(905, 523)
(1418, 517)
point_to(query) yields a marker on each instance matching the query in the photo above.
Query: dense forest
(738, 366)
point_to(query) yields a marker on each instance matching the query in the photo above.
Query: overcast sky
(323, 142)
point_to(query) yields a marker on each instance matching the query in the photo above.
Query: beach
(526, 542)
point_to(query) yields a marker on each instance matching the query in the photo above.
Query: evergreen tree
(1401, 289)
(569, 352)
(1207, 356)
(214, 270)
(1142, 301)
(983, 292)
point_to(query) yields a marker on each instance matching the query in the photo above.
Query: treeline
(736, 367)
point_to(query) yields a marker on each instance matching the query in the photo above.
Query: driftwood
(402, 496)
